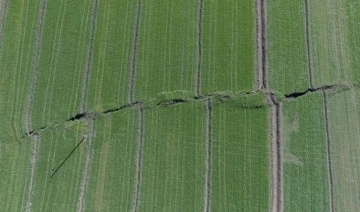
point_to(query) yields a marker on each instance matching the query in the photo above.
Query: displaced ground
(180, 116)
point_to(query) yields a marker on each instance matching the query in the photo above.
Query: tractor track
(34, 159)
(138, 160)
(81, 203)
(87, 68)
(208, 156)
(308, 49)
(34, 66)
(3, 13)
(329, 161)
(134, 48)
(199, 14)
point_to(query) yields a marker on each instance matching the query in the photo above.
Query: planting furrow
(34, 159)
(199, 14)
(80, 206)
(262, 14)
(307, 32)
(87, 68)
(132, 69)
(208, 157)
(138, 160)
(330, 174)
(3, 10)
(35, 65)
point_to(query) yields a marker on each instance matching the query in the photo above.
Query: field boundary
(80, 205)
(138, 160)
(308, 49)
(208, 155)
(88, 63)
(199, 15)
(34, 65)
(132, 69)
(328, 149)
(34, 159)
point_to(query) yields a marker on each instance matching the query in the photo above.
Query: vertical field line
(330, 174)
(132, 69)
(199, 14)
(263, 44)
(87, 68)
(138, 160)
(259, 46)
(208, 156)
(3, 13)
(81, 203)
(34, 158)
(35, 65)
(307, 34)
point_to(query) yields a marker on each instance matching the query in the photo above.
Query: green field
(114, 105)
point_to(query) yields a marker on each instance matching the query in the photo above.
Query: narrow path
(308, 43)
(208, 156)
(138, 160)
(330, 174)
(259, 46)
(34, 159)
(134, 48)
(87, 68)
(262, 14)
(81, 204)
(199, 14)
(34, 66)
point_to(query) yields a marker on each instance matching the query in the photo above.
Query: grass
(112, 54)
(111, 178)
(344, 113)
(57, 94)
(287, 55)
(306, 184)
(173, 158)
(240, 157)
(16, 55)
(228, 46)
(166, 48)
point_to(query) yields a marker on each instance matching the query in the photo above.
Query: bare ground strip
(330, 174)
(34, 158)
(259, 46)
(138, 160)
(307, 34)
(132, 69)
(199, 14)
(87, 68)
(208, 156)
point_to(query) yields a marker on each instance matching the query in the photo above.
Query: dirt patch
(138, 160)
(33, 161)
(208, 156)
(132, 69)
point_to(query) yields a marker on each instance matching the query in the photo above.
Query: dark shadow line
(57, 169)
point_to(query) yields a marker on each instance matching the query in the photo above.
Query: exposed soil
(87, 68)
(138, 160)
(208, 156)
(34, 65)
(330, 175)
(132, 69)
(199, 14)
(308, 43)
(34, 158)
(80, 205)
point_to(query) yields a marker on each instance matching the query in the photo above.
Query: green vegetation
(111, 177)
(113, 39)
(173, 158)
(306, 182)
(344, 134)
(166, 47)
(240, 162)
(228, 46)
(287, 54)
